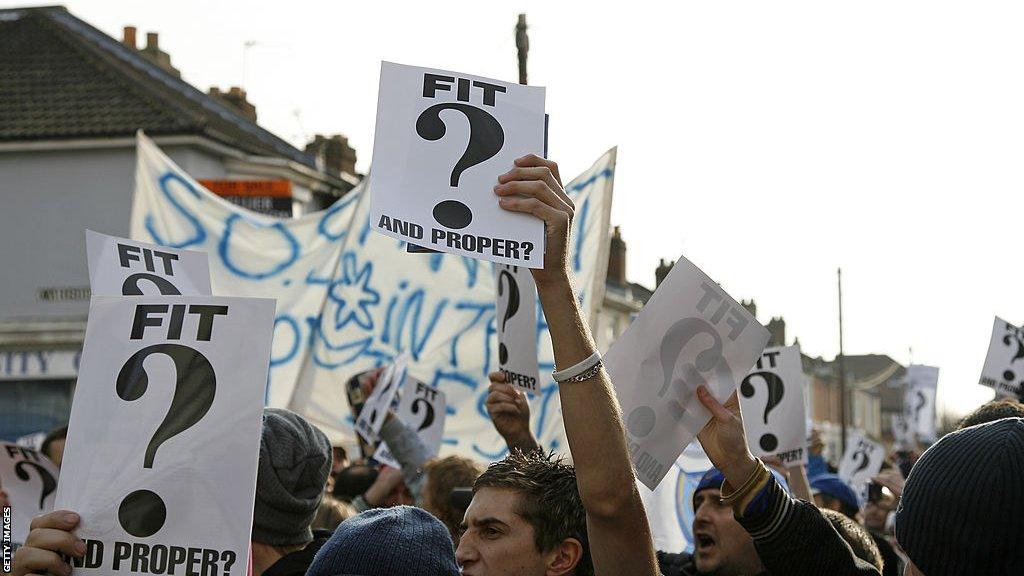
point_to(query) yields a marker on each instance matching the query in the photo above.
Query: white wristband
(573, 371)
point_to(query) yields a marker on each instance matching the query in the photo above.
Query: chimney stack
(777, 331)
(750, 306)
(334, 152)
(662, 271)
(236, 98)
(617, 258)
(129, 37)
(152, 50)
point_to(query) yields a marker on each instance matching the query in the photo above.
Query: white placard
(772, 401)
(118, 266)
(919, 401)
(30, 479)
(376, 407)
(442, 140)
(516, 318)
(1004, 363)
(423, 409)
(690, 333)
(903, 436)
(862, 461)
(163, 443)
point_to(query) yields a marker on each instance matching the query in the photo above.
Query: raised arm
(510, 413)
(620, 537)
(791, 537)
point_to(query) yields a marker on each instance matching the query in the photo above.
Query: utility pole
(842, 363)
(522, 46)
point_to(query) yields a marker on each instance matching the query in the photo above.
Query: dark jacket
(890, 559)
(793, 538)
(296, 563)
(681, 564)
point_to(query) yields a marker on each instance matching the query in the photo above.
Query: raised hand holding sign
(29, 479)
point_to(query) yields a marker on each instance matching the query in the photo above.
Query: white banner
(163, 442)
(1004, 363)
(517, 326)
(118, 266)
(690, 333)
(349, 300)
(30, 479)
(442, 140)
(919, 401)
(772, 400)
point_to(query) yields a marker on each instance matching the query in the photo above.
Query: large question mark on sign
(229, 560)
(49, 482)
(775, 387)
(142, 513)
(131, 285)
(862, 451)
(1013, 338)
(921, 401)
(641, 420)
(428, 410)
(510, 309)
(486, 138)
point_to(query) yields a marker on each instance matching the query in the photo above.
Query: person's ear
(564, 558)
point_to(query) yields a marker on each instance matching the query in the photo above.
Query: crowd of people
(955, 509)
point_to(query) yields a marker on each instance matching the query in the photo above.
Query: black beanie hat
(962, 511)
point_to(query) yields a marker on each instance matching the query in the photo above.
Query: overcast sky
(768, 142)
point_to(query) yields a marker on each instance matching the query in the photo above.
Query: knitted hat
(295, 459)
(714, 479)
(832, 485)
(962, 510)
(387, 542)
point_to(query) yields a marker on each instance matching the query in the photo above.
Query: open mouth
(704, 542)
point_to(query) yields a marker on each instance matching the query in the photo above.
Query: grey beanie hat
(962, 511)
(401, 540)
(295, 459)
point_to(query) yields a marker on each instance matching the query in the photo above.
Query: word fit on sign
(442, 140)
(30, 479)
(516, 316)
(122, 267)
(690, 333)
(170, 387)
(772, 400)
(1004, 363)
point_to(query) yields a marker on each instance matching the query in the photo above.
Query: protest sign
(163, 441)
(919, 401)
(1002, 371)
(862, 461)
(422, 408)
(516, 315)
(30, 479)
(376, 407)
(772, 400)
(442, 140)
(690, 333)
(903, 436)
(118, 266)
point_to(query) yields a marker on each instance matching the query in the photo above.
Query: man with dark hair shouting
(532, 515)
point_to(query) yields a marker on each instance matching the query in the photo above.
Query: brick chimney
(333, 153)
(152, 50)
(662, 271)
(617, 259)
(776, 331)
(750, 306)
(129, 37)
(236, 98)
